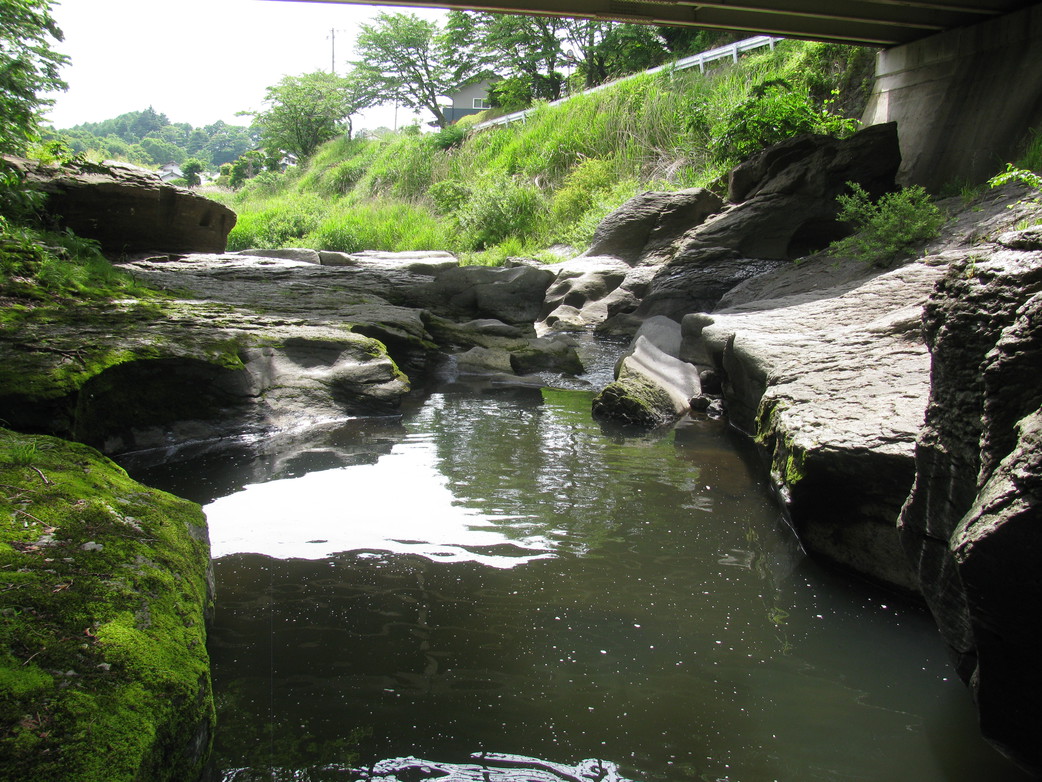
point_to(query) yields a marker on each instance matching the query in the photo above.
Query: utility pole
(332, 50)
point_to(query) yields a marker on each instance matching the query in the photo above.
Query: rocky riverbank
(896, 408)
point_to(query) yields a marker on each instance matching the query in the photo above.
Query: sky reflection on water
(401, 504)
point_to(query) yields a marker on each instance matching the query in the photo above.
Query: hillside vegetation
(523, 188)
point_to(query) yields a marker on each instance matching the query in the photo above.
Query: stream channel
(494, 571)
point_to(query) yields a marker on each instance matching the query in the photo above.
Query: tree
(29, 67)
(525, 50)
(605, 50)
(410, 60)
(192, 168)
(160, 152)
(306, 111)
(246, 167)
(226, 144)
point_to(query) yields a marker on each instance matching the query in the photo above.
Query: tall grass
(37, 264)
(530, 185)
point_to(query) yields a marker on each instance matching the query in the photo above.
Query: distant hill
(148, 138)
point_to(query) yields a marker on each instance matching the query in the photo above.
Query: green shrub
(346, 175)
(1014, 174)
(895, 226)
(500, 207)
(44, 264)
(449, 195)
(449, 137)
(338, 235)
(266, 183)
(773, 112)
(283, 223)
(391, 226)
(581, 188)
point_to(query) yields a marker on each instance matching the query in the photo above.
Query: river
(494, 571)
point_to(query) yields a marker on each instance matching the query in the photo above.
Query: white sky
(198, 61)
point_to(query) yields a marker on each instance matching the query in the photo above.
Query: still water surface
(496, 572)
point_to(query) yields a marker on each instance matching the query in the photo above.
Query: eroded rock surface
(129, 209)
(269, 343)
(687, 249)
(833, 383)
(973, 516)
(653, 386)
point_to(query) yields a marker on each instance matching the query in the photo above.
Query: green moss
(794, 462)
(787, 459)
(632, 399)
(103, 587)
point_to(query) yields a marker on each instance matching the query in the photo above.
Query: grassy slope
(524, 187)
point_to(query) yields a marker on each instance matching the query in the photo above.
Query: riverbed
(494, 571)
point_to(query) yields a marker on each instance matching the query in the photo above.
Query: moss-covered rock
(142, 374)
(633, 400)
(652, 387)
(104, 583)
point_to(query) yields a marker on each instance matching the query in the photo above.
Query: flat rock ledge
(269, 343)
(833, 385)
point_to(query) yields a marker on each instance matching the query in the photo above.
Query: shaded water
(495, 572)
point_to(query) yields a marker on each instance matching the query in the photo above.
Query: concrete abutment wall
(963, 100)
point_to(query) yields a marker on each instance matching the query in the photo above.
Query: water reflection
(657, 614)
(401, 503)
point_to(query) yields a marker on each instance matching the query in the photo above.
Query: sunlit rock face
(833, 384)
(653, 386)
(685, 250)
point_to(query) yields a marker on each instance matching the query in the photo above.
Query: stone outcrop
(203, 371)
(971, 522)
(783, 200)
(653, 386)
(269, 343)
(129, 209)
(833, 384)
(687, 249)
(512, 295)
(649, 223)
(900, 411)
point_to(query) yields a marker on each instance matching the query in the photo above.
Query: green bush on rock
(897, 224)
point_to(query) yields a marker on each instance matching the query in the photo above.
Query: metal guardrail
(731, 50)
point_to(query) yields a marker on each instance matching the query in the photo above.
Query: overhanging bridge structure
(962, 78)
(881, 23)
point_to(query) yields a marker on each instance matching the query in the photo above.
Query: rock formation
(687, 260)
(833, 367)
(105, 584)
(681, 252)
(270, 343)
(653, 386)
(974, 513)
(128, 209)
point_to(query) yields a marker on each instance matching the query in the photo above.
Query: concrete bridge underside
(962, 78)
(880, 23)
